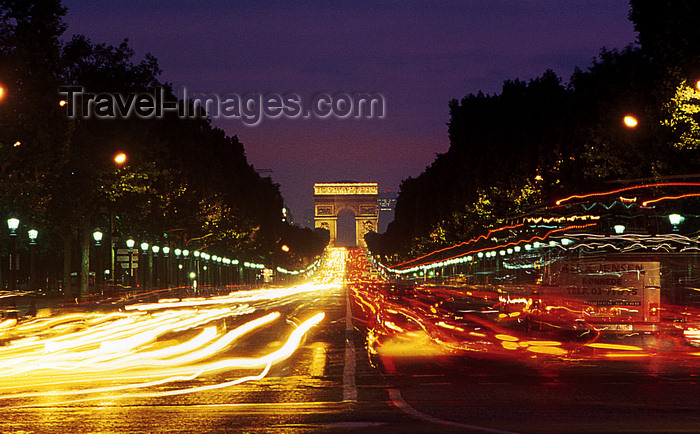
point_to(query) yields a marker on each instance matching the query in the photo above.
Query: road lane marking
(401, 404)
(318, 360)
(349, 387)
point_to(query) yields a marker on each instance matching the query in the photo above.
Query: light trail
(545, 337)
(153, 346)
(237, 297)
(195, 371)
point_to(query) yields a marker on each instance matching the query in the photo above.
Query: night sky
(418, 54)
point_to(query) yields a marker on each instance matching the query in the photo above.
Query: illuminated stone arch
(332, 199)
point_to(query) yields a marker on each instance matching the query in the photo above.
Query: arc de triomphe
(334, 198)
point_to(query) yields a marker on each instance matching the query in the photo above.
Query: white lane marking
(349, 387)
(401, 404)
(318, 360)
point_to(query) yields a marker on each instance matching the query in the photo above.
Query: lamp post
(206, 274)
(193, 279)
(13, 224)
(214, 279)
(168, 268)
(130, 243)
(33, 234)
(99, 272)
(196, 254)
(186, 263)
(119, 159)
(178, 265)
(156, 269)
(146, 271)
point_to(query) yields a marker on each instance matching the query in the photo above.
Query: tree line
(183, 182)
(542, 139)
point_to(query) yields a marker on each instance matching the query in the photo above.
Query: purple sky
(418, 54)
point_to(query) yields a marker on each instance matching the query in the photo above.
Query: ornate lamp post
(214, 279)
(33, 234)
(99, 272)
(177, 252)
(146, 272)
(13, 224)
(196, 254)
(130, 243)
(168, 268)
(186, 263)
(156, 269)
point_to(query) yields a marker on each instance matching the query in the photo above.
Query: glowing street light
(120, 158)
(675, 220)
(2, 92)
(630, 121)
(33, 235)
(99, 272)
(130, 243)
(619, 229)
(97, 236)
(13, 224)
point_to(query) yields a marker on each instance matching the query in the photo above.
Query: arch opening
(346, 236)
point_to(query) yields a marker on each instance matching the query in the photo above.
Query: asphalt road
(329, 384)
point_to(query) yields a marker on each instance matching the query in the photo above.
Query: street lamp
(193, 278)
(13, 224)
(130, 243)
(33, 234)
(630, 121)
(675, 220)
(97, 236)
(120, 158)
(177, 252)
(146, 269)
(168, 268)
(155, 269)
(99, 272)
